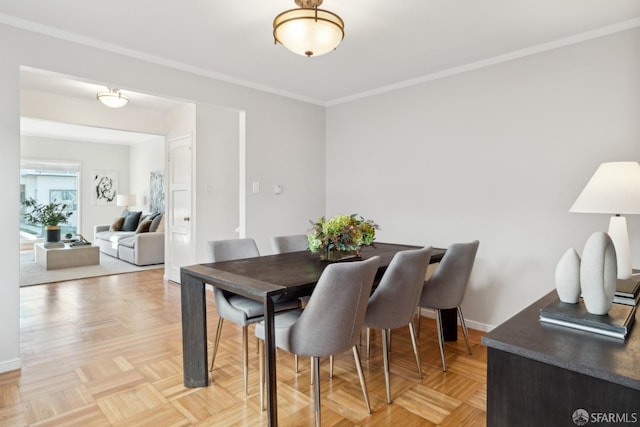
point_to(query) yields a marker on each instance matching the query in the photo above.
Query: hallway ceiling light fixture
(308, 31)
(113, 98)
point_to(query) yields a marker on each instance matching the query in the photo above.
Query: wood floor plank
(107, 351)
(428, 403)
(83, 416)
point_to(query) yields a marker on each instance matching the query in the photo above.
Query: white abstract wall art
(104, 185)
(156, 192)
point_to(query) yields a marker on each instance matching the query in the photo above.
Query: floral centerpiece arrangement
(341, 236)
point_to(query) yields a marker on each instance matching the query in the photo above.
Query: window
(46, 181)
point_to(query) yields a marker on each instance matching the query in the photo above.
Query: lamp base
(620, 237)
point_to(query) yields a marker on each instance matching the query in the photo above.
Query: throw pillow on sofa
(161, 225)
(117, 224)
(144, 226)
(155, 223)
(131, 221)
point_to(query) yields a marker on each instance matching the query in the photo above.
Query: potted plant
(48, 215)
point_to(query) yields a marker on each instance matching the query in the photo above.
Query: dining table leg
(450, 324)
(270, 361)
(194, 331)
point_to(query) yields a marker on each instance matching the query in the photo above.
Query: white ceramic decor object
(598, 273)
(568, 277)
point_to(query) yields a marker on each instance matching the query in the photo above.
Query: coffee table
(69, 256)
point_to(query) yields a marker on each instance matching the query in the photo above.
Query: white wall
(278, 155)
(499, 155)
(217, 181)
(288, 149)
(9, 256)
(144, 157)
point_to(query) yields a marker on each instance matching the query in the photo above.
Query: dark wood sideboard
(540, 374)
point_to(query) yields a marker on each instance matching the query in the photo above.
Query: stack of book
(53, 245)
(617, 323)
(628, 291)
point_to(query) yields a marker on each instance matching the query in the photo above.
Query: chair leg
(261, 372)
(418, 312)
(311, 373)
(245, 358)
(331, 366)
(441, 339)
(216, 342)
(363, 385)
(368, 342)
(295, 363)
(385, 355)
(464, 329)
(414, 343)
(316, 388)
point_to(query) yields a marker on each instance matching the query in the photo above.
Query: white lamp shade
(126, 200)
(613, 189)
(308, 31)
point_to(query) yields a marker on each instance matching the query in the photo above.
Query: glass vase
(334, 255)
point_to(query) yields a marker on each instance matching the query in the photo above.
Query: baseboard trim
(10, 365)
(427, 312)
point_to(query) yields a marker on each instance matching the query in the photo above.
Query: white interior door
(180, 226)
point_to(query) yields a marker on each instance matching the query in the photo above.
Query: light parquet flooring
(107, 351)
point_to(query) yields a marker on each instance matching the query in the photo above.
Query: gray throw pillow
(131, 221)
(155, 223)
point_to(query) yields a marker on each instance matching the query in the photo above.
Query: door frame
(172, 272)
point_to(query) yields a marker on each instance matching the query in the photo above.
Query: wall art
(104, 185)
(156, 192)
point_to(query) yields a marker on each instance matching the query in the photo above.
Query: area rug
(32, 273)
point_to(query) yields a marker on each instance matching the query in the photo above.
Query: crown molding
(533, 50)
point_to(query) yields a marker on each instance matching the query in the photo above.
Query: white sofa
(142, 248)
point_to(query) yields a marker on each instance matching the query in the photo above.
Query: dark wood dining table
(266, 279)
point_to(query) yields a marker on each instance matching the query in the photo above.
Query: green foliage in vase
(52, 213)
(342, 233)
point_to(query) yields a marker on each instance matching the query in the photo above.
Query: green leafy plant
(345, 233)
(46, 214)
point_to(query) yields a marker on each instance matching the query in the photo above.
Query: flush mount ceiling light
(113, 98)
(308, 31)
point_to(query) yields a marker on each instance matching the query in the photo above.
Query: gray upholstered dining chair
(286, 244)
(235, 308)
(394, 302)
(291, 243)
(446, 287)
(331, 322)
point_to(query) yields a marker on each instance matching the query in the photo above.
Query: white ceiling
(387, 43)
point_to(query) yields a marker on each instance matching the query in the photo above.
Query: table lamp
(614, 189)
(126, 200)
